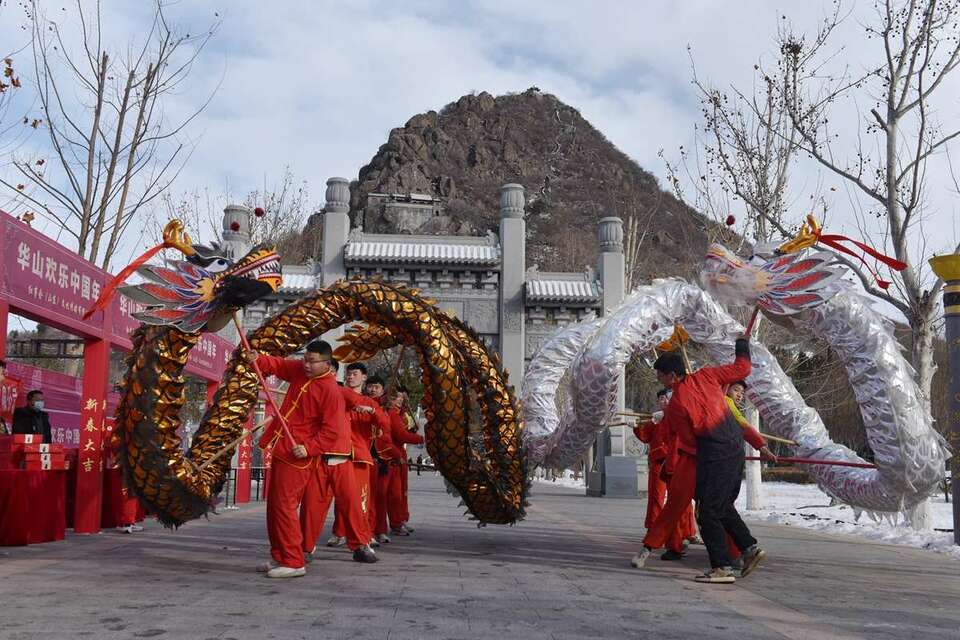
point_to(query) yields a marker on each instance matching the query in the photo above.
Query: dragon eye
(218, 265)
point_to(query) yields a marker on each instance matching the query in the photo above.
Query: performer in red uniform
(314, 408)
(396, 477)
(405, 469)
(362, 427)
(660, 439)
(699, 417)
(386, 456)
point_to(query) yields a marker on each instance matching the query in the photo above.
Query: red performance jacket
(315, 410)
(390, 443)
(658, 436)
(364, 426)
(698, 413)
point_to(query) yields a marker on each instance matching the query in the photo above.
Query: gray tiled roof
(298, 280)
(364, 248)
(562, 287)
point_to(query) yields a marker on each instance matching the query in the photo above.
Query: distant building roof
(577, 288)
(367, 248)
(298, 279)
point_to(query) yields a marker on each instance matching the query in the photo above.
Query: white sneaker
(286, 572)
(264, 567)
(373, 543)
(308, 555)
(136, 527)
(640, 559)
(127, 529)
(336, 541)
(383, 538)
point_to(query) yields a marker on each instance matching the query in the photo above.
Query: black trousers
(718, 485)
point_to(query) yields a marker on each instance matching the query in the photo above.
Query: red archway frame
(46, 282)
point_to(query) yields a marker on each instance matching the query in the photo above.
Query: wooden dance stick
(779, 439)
(836, 463)
(233, 444)
(263, 381)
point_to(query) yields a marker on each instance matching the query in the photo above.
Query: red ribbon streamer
(107, 294)
(834, 241)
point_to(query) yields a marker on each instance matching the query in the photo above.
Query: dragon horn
(808, 236)
(175, 237)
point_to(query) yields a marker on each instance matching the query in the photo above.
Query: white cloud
(318, 85)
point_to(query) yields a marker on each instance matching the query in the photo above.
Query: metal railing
(258, 477)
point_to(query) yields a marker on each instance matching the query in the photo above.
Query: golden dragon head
(203, 291)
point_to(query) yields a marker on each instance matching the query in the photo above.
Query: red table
(32, 506)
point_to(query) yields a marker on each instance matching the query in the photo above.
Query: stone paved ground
(562, 573)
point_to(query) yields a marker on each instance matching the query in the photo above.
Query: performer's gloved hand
(299, 451)
(251, 355)
(656, 417)
(766, 454)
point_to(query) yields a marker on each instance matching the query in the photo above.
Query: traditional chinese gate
(47, 283)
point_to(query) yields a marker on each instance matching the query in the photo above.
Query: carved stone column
(513, 267)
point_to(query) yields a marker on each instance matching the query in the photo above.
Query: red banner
(46, 279)
(11, 392)
(53, 285)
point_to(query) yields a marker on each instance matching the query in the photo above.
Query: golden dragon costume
(202, 292)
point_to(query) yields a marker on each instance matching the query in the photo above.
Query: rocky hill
(573, 177)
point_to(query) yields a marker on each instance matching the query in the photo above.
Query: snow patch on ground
(804, 505)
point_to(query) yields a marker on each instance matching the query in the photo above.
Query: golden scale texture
(453, 359)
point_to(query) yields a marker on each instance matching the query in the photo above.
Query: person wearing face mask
(32, 418)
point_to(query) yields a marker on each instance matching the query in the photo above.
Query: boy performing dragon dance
(709, 463)
(315, 410)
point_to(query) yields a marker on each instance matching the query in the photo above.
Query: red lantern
(259, 212)
(234, 226)
(731, 221)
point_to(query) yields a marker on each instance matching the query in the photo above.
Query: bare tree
(112, 148)
(278, 215)
(920, 45)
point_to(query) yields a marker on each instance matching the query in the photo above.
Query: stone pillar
(336, 230)
(948, 269)
(619, 474)
(236, 230)
(235, 239)
(513, 243)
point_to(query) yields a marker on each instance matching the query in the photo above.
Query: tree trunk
(922, 357)
(922, 351)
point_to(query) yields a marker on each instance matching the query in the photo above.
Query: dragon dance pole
(948, 269)
(263, 381)
(835, 463)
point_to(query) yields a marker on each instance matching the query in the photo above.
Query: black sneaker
(365, 554)
(751, 559)
(670, 555)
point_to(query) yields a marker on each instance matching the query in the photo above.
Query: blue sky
(317, 86)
